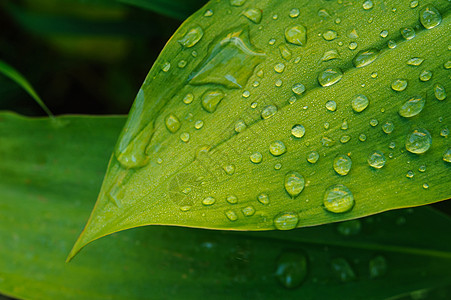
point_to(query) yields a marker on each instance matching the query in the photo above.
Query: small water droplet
(343, 270)
(447, 65)
(229, 169)
(377, 266)
(172, 123)
(279, 68)
(298, 131)
(412, 107)
(294, 183)
(391, 44)
(388, 127)
(184, 137)
(211, 100)
(272, 41)
(384, 33)
(344, 139)
(413, 3)
(208, 201)
(364, 58)
(408, 33)
(444, 132)
(360, 103)
(330, 76)
(185, 208)
(188, 98)
(231, 215)
(182, 63)
(291, 269)
(330, 35)
(298, 88)
(263, 198)
(367, 4)
(342, 164)
(439, 92)
(410, 174)
(352, 46)
(277, 166)
(399, 85)
(331, 105)
(256, 157)
(208, 13)
(277, 148)
(192, 37)
(199, 124)
(232, 199)
(285, 52)
(422, 169)
(327, 141)
(166, 66)
(286, 221)
(348, 228)
(377, 159)
(418, 141)
(430, 17)
(344, 125)
(296, 35)
(447, 155)
(294, 13)
(425, 75)
(268, 111)
(313, 157)
(374, 122)
(323, 13)
(330, 54)
(253, 14)
(415, 61)
(425, 186)
(362, 137)
(237, 2)
(248, 211)
(240, 126)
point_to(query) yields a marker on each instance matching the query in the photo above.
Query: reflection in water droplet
(277, 148)
(192, 37)
(377, 266)
(377, 160)
(439, 92)
(231, 215)
(330, 76)
(263, 198)
(412, 107)
(248, 211)
(425, 75)
(292, 269)
(331, 105)
(172, 123)
(286, 221)
(294, 183)
(408, 33)
(342, 164)
(268, 111)
(343, 270)
(364, 58)
(360, 103)
(399, 85)
(253, 14)
(298, 131)
(232, 199)
(296, 35)
(430, 17)
(338, 199)
(256, 157)
(348, 228)
(313, 157)
(211, 100)
(388, 127)
(447, 155)
(418, 141)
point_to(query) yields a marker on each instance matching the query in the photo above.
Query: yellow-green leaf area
(158, 176)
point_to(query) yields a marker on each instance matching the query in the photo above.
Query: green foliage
(45, 191)
(273, 117)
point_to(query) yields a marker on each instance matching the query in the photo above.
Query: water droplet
(272, 41)
(348, 228)
(286, 221)
(327, 141)
(412, 107)
(279, 68)
(237, 2)
(248, 211)
(374, 122)
(410, 174)
(326, 125)
(277, 148)
(285, 52)
(254, 105)
(330, 35)
(331, 105)
(330, 54)
(362, 137)
(447, 65)
(352, 46)
(256, 157)
(296, 35)
(185, 208)
(422, 168)
(377, 266)
(188, 98)
(298, 131)
(415, 61)
(232, 199)
(392, 145)
(298, 88)
(192, 37)
(240, 126)
(166, 66)
(253, 14)
(367, 4)
(313, 157)
(344, 139)
(360, 103)
(182, 63)
(294, 13)
(391, 44)
(277, 166)
(388, 127)
(439, 92)
(364, 58)
(294, 183)
(447, 155)
(425, 75)
(413, 3)
(229, 169)
(231, 215)
(263, 198)
(444, 132)
(418, 141)
(211, 99)
(342, 164)
(408, 33)
(377, 160)
(330, 76)
(199, 124)
(184, 137)
(278, 83)
(343, 270)
(323, 13)
(384, 33)
(399, 85)
(425, 186)
(230, 62)
(172, 123)
(208, 201)
(430, 17)
(208, 13)
(268, 111)
(291, 269)
(344, 125)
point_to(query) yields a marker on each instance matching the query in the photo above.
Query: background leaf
(180, 9)
(217, 118)
(44, 192)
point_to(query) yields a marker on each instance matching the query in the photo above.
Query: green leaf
(180, 9)
(18, 78)
(45, 192)
(256, 117)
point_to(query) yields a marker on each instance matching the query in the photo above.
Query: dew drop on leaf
(330, 76)
(338, 199)
(296, 35)
(253, 14)
(256, 157)
(286, 221)
(364, 58)
(415, 61)
(291, 269)
(388, 127)
(298, 131)
(439, 92)
(330, 35)
(408, 33)
(376, 160)
(268, 111)
(263, 198)
(343, 270)
(419, 141)
(208, 201)
(248, 211)
(430, 17)
(447, 155)
(425, 75)
(211, 100)
(359, 103)
(331, 105)
(294, 183)
(412, 107)
(313, 157)
(377, 266)
(172, 123)
(231, 215)
(277, 148)
(399, 85)
(342, 164)
(298, 88)
(192, 37)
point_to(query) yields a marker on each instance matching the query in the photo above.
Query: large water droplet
(412, 107)
(268, 111)
(291, 269)
(286, 221)
(343, 269)
(377, 266)
(172, 123)
(419, 141)
(360, 103)
(338, 199)
(330, 76)
(377, 159)
(342, 164)
(192, 37)
(298, 131)
(430, 17)
(211, 99)
(277, 148)
(296, 35)
(415, 61)
(439, 92)
(294, 183)
(364, 58)
(399, 85)
(425, 75)
(253, 14)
